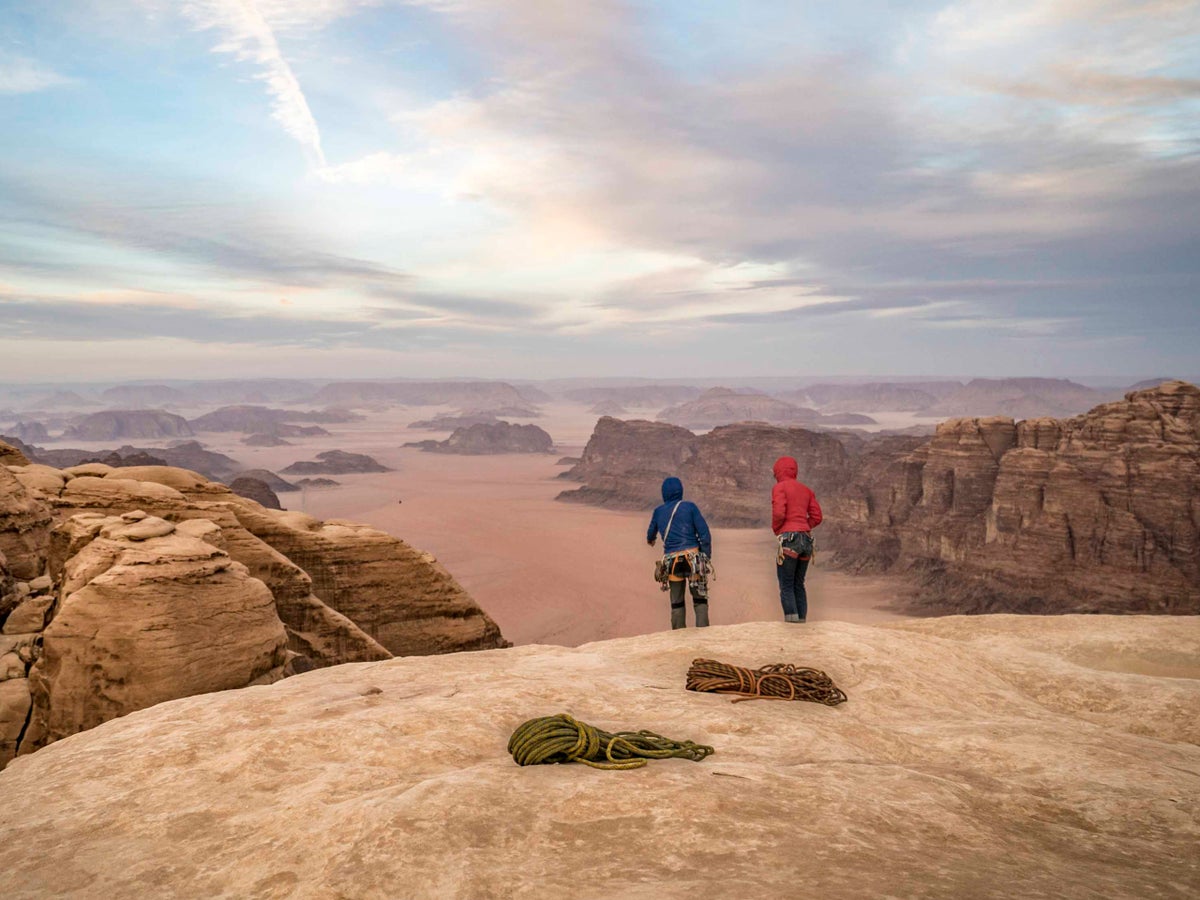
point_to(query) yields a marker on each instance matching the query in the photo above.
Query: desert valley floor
(547, 572)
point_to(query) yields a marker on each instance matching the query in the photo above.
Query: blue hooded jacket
(688, 528)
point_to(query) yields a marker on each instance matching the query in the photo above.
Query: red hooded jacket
(794, 506)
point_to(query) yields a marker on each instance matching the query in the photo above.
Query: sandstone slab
(981, 757)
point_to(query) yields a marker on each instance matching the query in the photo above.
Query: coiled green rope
(562, 739)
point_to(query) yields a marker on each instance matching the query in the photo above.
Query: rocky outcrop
(270, 479)
(727, 471)
(145, 614)
(13, 455)
(984, 758)
(265, 440)
(256, 490)
(1098, 513)
(30, 432)
(450, 423)
(133, 423)
(886, 396)
(24, 529)
(1018, 398)
(184, 454)
(144, 395)
(249, 419)
(491, 438)
(336, 462)
(722, 406)
(316, 577)
(654, 396)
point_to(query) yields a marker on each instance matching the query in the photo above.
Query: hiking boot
(701, 614)
(791, 617)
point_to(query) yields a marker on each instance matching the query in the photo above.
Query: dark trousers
(791, 586)
(699, 594)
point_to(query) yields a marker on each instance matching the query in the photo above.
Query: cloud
(247, 35)
(20, 75)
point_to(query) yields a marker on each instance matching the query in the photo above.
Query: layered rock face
(188, 558)
(135, 423)
(991, 757)
(727, 471)
(1099, 513)
(487, 438)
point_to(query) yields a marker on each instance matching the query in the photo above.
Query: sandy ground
(548, 572)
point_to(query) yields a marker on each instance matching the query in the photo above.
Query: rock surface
(146, 615)
(981, 757)
(486, 438)
(135, 423)
(185, 535)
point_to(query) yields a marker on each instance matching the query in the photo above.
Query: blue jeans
(791, 586)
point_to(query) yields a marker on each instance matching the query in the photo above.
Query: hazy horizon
(307, 188)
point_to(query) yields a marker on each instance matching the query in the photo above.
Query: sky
(552, 188)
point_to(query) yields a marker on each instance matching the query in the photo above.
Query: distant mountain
(144, 395)
(115, 424)
(646, 395)
(882, 396)
(491, 438)
(1020, 398)
(722, 406)
(58, 400)
(336, 462)
(252, 419)
(467, 394)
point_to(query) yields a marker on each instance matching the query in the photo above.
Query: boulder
(11, 456)
(256, 490)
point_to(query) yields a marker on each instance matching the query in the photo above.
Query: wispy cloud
(247, 35)
(21, 75)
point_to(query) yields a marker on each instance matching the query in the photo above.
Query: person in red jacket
(794, 514)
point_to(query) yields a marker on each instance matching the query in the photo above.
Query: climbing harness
(781, 681)
(562, 739)
(796, 545)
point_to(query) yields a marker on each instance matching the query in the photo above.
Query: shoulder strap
(669, 521)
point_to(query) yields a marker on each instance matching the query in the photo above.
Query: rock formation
(30, 432)
(261, 439)
(491, 438)
(134, 423)
(450, 423)
(990, 757)
(270, 479)
(336, 462)
(13, 454)
(885, 396)
(654, 396)
(165, 547)
(1098, 513)
(143, 395)
(184, 455)
(250, 419)
(727, 471)
(722, 406)
(256, 490)
(608, 408)
(1018, 398)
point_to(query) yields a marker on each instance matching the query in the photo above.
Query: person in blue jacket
(687, 549)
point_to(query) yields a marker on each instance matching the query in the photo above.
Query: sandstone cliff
(989, 757)
(190, 560)
(1098, 513)
(727, 471)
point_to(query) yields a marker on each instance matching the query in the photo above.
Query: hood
(785, 468)
(672, 490)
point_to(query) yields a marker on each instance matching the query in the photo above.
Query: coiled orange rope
(781, 681)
